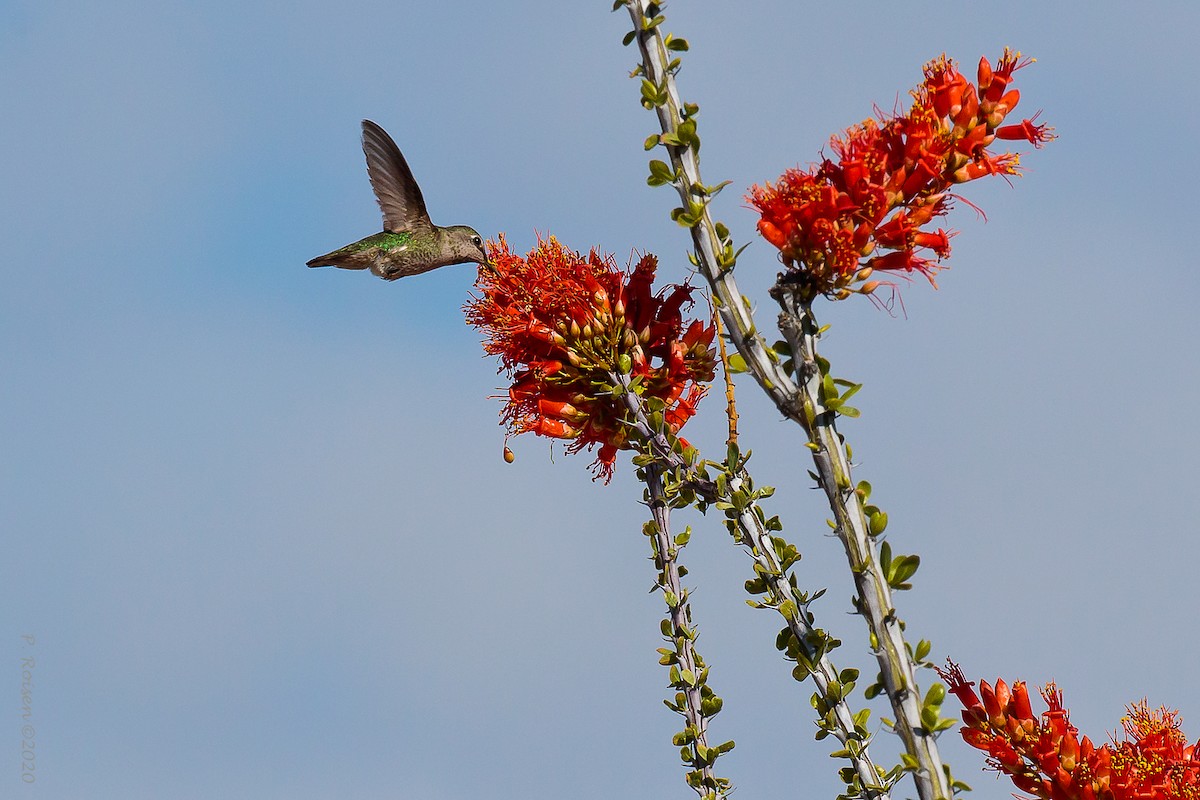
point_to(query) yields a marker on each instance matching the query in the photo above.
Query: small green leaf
(687, 133)
(629, 37)
(711, 191)
(672, 43)
(660, 173)
(737, 363)
(651, 141)
(649, 91)
(828, 389)
(904, 568)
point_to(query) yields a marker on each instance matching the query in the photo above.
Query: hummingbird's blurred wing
(398, 194)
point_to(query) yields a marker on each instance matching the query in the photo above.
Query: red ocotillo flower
(562, 323)
(870, 206)
(1045, 756)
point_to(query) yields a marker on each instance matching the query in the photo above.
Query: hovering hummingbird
(409, 243)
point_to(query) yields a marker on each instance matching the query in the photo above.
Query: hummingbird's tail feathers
(337, 260)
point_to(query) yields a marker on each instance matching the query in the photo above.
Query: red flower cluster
(1046, 757)
(562, 323)
(892, 177)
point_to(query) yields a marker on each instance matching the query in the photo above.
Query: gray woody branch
(853, 527)
(715, 258)
(689, 675)
(754, 536)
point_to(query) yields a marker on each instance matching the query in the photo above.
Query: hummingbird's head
(467, 244)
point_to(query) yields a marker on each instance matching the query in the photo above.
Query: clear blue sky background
(256, 515)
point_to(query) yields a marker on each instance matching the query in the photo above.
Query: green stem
(896, 665)
(694, 700)
(715, 258)
(714, 253)
(748, 523)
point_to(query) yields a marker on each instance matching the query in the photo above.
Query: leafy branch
(774, 585)
(805, 399)
(694, 700)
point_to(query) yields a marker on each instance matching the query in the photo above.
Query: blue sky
(256, 515)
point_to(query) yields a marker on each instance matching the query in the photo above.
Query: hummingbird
(409, 243)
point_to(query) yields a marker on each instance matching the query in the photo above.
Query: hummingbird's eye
(478, 242)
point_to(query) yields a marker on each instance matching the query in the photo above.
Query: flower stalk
(693, 700)
(714, 256)
(857, 525)
(809, 646)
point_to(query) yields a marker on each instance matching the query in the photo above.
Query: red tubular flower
(562, 322)
(1037, 135)
(891, 177)
(1046, 757)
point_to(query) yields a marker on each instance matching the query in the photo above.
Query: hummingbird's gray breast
(406, 253)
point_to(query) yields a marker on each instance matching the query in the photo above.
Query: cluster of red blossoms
(1046, 757)
(562, 323)
(892, 177)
